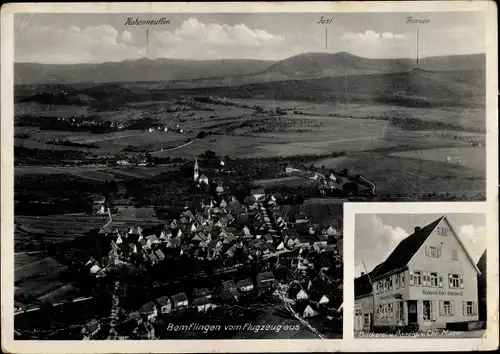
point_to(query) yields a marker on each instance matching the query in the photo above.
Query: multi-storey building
(427, 282)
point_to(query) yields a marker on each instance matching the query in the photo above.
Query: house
(202, 292)
(429, 281)
(149, 310)
(160, 255)
(259, 194)
(244, 285)
(91, 329)
(229, 295)
(202, 304)
(164, 304)
(309, 312)
(135, 317)
(228, 285)
(144, 330)
(180, 300)
(324, 300)
(301, 295)
(265, 279)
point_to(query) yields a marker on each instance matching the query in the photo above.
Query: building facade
(428, 282)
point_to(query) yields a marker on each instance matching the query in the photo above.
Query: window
(455, 281)
(358, 312)
(397, 281)
(390, 310)
(434, 280)
(402, 281)
(427, 310)
(426, 279)
(454, 254)
(400, 311)
(434, 252)
(446, 309)
(416, 278)
(366, 319)
(443, 231)
(469, 308)
(389, 283)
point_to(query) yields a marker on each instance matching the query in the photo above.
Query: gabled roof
(244, 282)
(162, 301)
(179, 298)
(362, 284)
(406, 249)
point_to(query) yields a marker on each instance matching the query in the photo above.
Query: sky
(97, 38)
(376, 235)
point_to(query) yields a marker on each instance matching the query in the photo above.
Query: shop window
(426, 310)
(366, 319)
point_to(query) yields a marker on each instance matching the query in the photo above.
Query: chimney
(362, 273)
(417, 228)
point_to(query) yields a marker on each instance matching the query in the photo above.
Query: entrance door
(412, 312)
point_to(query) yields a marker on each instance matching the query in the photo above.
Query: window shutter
(464, 308)
(434, 305)
(474, 307)
(441, 308)
(411, 278)
(440, 280)
(461, 282)
(427, 250)
(453, 307)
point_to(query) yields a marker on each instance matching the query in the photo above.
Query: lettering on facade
(442, 293)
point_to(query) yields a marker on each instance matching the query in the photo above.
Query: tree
(209, 154)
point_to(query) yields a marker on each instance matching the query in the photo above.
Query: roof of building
(92, 326)
(200, 301)
(199, 292)
(162, 301)
(362, 284)
(179, 297)
(405, 250)
(148, 307)
(228, 284)
(265, 276)
(244, 282)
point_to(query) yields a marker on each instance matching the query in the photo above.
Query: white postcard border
(348, 343)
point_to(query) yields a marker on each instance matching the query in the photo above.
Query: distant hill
(173, 73)
(416, 88)
(142, 70)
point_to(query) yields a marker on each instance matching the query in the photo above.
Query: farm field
(291, 181)
(474, 158)
(410, 177)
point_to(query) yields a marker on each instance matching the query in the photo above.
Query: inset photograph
(420, 275)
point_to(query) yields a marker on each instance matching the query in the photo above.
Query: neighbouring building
(244, 285)
(429, 281)
(179, 300)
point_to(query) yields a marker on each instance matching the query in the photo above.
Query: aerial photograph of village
(182, 176)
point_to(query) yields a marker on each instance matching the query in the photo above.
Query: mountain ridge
(216, 72)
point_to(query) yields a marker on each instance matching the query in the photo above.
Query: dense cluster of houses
(237, 233)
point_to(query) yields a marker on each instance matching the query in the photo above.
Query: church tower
(196, 170)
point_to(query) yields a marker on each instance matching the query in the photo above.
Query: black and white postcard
(177, 173)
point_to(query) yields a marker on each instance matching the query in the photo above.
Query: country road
(174, 148)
